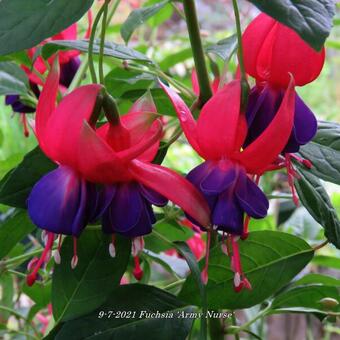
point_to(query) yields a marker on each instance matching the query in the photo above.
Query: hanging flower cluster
(106, 173)
(103, 173)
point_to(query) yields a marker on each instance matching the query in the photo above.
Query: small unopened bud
(237, 279)
(329, 303)
(224, 248)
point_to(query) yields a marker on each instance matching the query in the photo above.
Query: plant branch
(197, 50)
(102, 42)
(244, 82)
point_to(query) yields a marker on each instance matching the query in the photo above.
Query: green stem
(260, 315)
(215, 329)
(174, 284)
(197, 50)
(91, 41)
(234, 321)
(244, 82)
(85, 63)
(102, 42)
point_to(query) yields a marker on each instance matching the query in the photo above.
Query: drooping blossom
(104, 172)
(273, 51)
(228, 177)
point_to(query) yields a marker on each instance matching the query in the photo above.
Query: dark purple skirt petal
(305, 126)
(68, 71)
(57, 202)
(250, 197)
(196, 175)
(126, 207)
(219, 179)
(129, 213)
(152, 196)
(99, 200)
(228, 215)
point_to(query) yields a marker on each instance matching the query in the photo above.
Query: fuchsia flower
(272, 51)
(104, 172)
(226, 177)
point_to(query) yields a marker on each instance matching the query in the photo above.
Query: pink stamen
(32, 277)
(25, 125)
(74, 261)
(137, 271)
(245, 233)
(240, 281)
(204, 273)
(306, 162)
(112, 248)
(291, 175)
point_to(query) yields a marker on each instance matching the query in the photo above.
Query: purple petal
(250, 197)
(228, 215)
(305, 126)
(219, 178)
(196, 175)
(68, 71)
(99, 200)
(57, 203)
(152, 196)
(126, 207)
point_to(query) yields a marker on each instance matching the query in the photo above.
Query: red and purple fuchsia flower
(229, 175)
(102, 172)
(272, 51)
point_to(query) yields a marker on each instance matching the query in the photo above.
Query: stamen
(291, 175)
(204, 273)
(74, 261)
(137, 271)
(57, 257)
(56, 254)
(137, 246)
(32, 277)
(240, 280)
(306, 162)
(25, 125)
(112, 248)
(245, 233)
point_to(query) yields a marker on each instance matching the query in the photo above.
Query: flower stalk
(197, 50)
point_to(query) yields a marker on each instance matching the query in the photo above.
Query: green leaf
(175, 58)
(324, 152)
(13, 230)
(25, 24)
(7, 295)
(171, 231)
(315, 199)
(81, 290)
(224, 48)
(270, 259)
(327, 261)
(138, 17)
(17, 184)
(306, 299)
(20, 57)
(311, 19)
(111, 49)
(317, 278)
(119, 81)
(40, 293)
(13, 79)
(125, 318)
